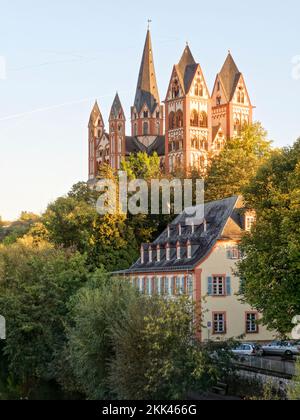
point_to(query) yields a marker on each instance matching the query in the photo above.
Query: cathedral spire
(117, 112)
(147, 91)
(229, 76)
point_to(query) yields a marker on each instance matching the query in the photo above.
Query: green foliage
(11, 232)
(272, 266)
(239, 161)
(35, 284)
(294, 389)
(94, 309)
(142, 166)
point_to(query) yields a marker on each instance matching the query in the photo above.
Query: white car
(245, 349)
(281, 348)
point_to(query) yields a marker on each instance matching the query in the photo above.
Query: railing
(268, 366)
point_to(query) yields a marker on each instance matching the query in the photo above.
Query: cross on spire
(149, 23)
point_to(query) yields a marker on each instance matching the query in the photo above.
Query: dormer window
(178, 251)
(168, 252)
(250, 220)
(150, 254)
(158, 254)
(169, 231)
(142, 255)
(179, 229)
(189, 250)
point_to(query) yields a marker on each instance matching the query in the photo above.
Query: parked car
(281, 348)
(246, 349)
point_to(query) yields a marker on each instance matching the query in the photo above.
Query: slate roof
(147, 91)
(116, 107)
(133, 145)
(230, 76)
(186, 69)
(216, 215)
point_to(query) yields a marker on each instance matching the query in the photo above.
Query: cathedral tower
(147, 114)
(117, 136)
(188, 117)
(96, 132)
(232, 108)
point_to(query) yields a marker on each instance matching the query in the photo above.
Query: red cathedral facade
(189, 127)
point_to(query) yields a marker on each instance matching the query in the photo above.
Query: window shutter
(210, 286)
(228, 286)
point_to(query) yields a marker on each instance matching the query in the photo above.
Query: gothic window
(218, 86)
(175, 89)
(158, 128)
(194, 118)
(171, 121)
(145, 129)
(241, 96)
(179, 119)
(146, 114)
(237, 126)
(219, 100)
(203, 120)
(157, 115)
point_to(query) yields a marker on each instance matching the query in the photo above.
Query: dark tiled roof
(147, 91)
(230, 76)
(187, 68)
(202, 240)
(215, 131)
(116, 108)
(133, 145)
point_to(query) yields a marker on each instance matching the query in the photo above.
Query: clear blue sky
(63, 54)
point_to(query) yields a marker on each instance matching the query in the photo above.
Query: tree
(156, 356)
(271, 269)
(142, 166)
(35, 286)
(94, 309)
(233, 169)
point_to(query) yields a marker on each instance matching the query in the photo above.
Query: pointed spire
(187, 67)
(147, 91)
(96, 113)
(116, 108)
(230, 76)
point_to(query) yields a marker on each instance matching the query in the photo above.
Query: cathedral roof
(95, 114)
(230, 76)
(186, 68)
(116, 108)
(133, 145)
(147, 91)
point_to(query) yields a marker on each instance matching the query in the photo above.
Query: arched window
(179, 119)
(203, 120)
(158, 128)
(242, 97)
(237, 126)
(194, 118)
(171, 121)
(145, 129)
(175, 89)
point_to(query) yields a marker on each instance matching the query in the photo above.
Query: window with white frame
(149, 286)
(142, 255)
(141, 284)
(189, 251)
(250, 220)
(233, 252)
(180, 285)
(219, 323)
(218, 286)
(167, 286)
(168, 253)
(251, 323)
(150, 254)
(158, 255)
(178, 251)
(190, 285)
(161, 285)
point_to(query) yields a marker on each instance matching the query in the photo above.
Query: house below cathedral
(191, 126)
(200, 261)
